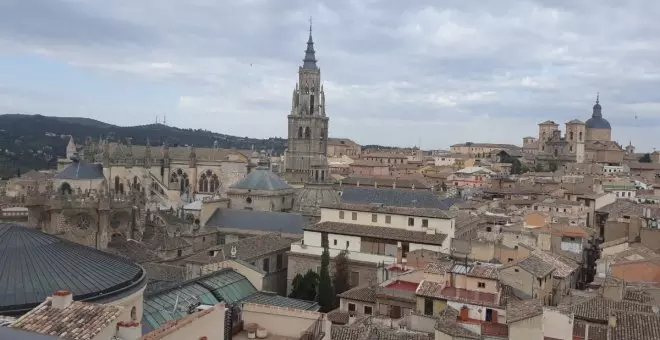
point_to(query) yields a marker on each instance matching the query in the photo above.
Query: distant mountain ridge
(35, 141)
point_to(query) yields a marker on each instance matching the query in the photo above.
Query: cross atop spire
(310, 55)
(597, 95)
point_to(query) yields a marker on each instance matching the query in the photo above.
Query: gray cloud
(395, 71)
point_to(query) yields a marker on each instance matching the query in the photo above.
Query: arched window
(570, 135)
(121, 188)
(322, 135)
(556, 152)
(203, 183)
(580, 136)
(300, 132)
(116, 183)
(136, 184)
(214, 183)
(248, 200)
(66, 189)
(308, 133)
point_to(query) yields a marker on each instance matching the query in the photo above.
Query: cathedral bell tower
(308, 125)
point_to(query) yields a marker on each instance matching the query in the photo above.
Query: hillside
(36, 141)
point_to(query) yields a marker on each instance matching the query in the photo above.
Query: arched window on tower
(300, 132)
(580, 136)
(116, 183)
(214, 183)
(308, 133)
(311, 104)
(203, 183)
(322, 135)
(136, 184)
(570, 134)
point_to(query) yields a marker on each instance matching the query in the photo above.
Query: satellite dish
(233, 252)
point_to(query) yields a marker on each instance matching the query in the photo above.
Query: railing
(315, 331)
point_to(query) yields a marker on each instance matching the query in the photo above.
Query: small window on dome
(248, 200)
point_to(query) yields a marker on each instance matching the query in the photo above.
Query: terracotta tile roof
(517, 310)
(338, 316)
(534, 265)
(596, 308)
(378, 232)
(439, 291)
(438, 267)
(484, 272)
(407, 211)
(637, 296)
(447, 324)
(370, 331)
(492, 329)
(364, 294)
(564, 267)
(81, 320)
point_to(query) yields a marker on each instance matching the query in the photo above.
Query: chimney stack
(129, 330)
(61, 299)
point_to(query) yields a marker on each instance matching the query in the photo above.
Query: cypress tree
(326, 294)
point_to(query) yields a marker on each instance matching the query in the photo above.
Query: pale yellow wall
(204, 326)
(438, 305)
(527, 329)
(134, 300)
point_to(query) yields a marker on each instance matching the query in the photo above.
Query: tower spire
(310, 55)
(597, 97)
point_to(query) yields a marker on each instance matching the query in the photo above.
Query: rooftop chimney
(61, 299)
(129, 330)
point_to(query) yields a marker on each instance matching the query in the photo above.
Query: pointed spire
(597, 112)
(597, 97)
(310, 55)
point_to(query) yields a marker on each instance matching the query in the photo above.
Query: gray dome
(308, 200)
(598, 123)
(261, 178)
(34, 265)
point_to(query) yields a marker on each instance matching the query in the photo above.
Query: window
(425, 223)
(351, 307)
(266, 264)
(536, 207)
(347, 244)
(341, 215)
(509, 260)
(334, 242)
(354, 216)
(516, 270)
(368, 310)
(374, 218)
(388, 219)
(411, 221)
(489, 229)
(481, 284)
(179, 253)
(248, 200)
(280, 260)
(428, 306)
(355, 279)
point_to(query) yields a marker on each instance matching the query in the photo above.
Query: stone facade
(306, 154)
(582, 142)
(85, 219)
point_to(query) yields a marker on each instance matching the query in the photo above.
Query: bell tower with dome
(598, 128)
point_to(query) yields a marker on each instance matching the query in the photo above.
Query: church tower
(306, 155)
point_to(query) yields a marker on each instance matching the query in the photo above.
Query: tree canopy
(326, 294)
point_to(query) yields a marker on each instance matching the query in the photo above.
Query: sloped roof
(257, 220)
(34, 265)
(261, 178)
(394, 197)
(81, 170)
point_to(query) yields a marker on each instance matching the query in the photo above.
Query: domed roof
(261, 178)
(308, 200)
(34, 265)
(597, 121)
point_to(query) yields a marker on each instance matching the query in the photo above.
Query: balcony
(300, 248)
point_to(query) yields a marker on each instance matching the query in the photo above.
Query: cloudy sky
(395, 72)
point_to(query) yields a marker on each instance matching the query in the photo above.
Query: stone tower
(546, 131)
(575, 135)
(305, 160)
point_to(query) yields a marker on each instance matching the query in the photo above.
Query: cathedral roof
(35, 264)
(310, 55)
(81, 170)
(261, 178)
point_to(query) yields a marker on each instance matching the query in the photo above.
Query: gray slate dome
(261, 178)
(597, 121)
(308, 200)
(34, 265)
